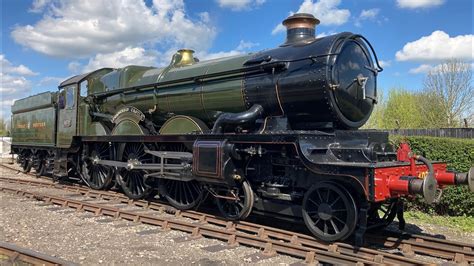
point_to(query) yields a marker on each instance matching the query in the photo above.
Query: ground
(86, 239)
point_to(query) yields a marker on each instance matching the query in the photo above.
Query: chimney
(300, 27)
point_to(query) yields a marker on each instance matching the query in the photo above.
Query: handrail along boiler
(274, 132)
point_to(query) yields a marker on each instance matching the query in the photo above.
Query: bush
(459, 155)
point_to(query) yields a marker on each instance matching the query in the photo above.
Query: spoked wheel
(48, 163)
(132, 181)
(39, 165)
(329, 212)
(382, 214)
(182, 195)
(26, 164)
(98, 176)
(238, 203)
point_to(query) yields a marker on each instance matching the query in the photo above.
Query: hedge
(459, 155)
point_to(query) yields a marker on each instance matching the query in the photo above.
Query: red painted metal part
(394, 181)
(403, 152)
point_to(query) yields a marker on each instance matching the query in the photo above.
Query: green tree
(376, 118)
(402, 110)
(3, 127)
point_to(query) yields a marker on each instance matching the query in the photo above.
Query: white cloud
(413, 4)
(128, 56)
(367, 14)
(385, 63)
(238, 5)
(74, 67)
(13, 84)
(82, 28)
(8, 68)
(278, 28)
(242, 48)
(326, 11)
(210, 56)
(39, 5)
(205, 18)
(12, 87)
(438, 46)
(51, 82)
(243, 45)
(141, 56)
(424, 68)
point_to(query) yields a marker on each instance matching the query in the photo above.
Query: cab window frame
(70, 97)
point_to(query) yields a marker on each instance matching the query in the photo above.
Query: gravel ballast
(86, 239)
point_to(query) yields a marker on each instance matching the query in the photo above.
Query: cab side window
(83, 87)
(61, 99)
(70, 99)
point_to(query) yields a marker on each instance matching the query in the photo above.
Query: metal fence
(466, 133)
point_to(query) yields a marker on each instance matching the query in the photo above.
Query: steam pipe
(252, 114)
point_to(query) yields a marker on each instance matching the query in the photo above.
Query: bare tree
(448, 94)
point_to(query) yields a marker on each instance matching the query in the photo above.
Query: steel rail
(411, 244)
(270, 240)
(14, 255)
(408, 244)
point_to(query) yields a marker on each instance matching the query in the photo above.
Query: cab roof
(80, 78)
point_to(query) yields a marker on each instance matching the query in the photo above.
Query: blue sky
(46, 41)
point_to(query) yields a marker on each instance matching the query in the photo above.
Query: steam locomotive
(272, 132)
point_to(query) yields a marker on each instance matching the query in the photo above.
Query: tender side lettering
(39, 125)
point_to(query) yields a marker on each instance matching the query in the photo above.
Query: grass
(461, 223)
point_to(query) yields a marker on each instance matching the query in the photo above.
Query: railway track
(15, 255)
(410, 245)
(270, 240)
